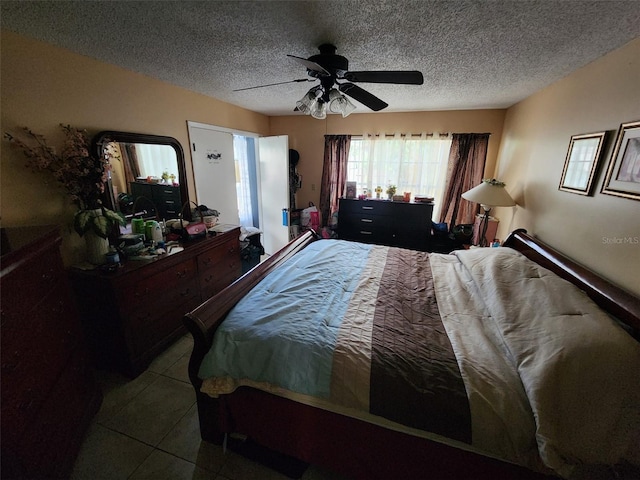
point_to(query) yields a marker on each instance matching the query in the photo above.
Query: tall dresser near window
(49, 392)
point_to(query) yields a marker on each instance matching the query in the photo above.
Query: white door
(214, 171)
(274, 191)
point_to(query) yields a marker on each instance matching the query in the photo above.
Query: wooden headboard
(618, 302)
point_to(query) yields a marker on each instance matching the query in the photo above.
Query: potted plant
(391, 191)
(82, 175)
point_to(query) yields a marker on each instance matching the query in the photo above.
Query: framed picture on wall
(581, 163)
(623, 172)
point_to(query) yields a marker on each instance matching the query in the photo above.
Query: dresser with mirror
(132, 312)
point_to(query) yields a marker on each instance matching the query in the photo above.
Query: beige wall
(43, 86)
(306, 135)
(536, 135)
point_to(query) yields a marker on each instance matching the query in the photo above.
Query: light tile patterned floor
(147, 428)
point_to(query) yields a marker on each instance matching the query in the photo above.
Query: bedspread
(484, 347)
(363, 332)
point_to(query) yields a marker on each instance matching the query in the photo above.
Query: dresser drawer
(219, 267)
(34, 276)
(151, 325)
(413, 215)
(359, 221)
(367, 234)
(52, 432)
(168, 200)
(212, 258)
(212, 281)
(165, 193)
(370, 207)
(144, 290)
(31, 364)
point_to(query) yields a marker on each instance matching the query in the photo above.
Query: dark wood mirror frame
(127, 137)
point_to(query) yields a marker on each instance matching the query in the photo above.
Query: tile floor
(147, 428)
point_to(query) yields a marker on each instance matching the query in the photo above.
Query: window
(244, 151)
(413, 163)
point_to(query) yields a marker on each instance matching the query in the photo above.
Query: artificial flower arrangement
(391, 190)
(82, 174)
(494, 182)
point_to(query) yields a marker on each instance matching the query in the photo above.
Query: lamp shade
(490, 193)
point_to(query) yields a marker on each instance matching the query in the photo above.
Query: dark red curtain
(334, 174)
(130, 163)
(467, 158)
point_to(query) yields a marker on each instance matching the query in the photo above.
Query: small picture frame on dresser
(351, 190)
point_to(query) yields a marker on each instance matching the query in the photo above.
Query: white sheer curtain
(155, 159)
(243, 186)
(413, 163)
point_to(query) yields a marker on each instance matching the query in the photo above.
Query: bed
(486, 363)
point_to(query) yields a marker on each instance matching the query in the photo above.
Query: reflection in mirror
(147, 175)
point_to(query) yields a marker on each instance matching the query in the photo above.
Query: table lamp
(490, 193)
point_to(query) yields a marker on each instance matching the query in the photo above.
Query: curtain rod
(415, 134)
(411, 134)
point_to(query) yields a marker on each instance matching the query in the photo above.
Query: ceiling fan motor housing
(329, 60)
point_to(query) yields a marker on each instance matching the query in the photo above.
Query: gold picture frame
(581, 163)
(623, 173)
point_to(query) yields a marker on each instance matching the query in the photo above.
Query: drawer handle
(364, 232)
(144, 315)
(167, 202)
(181, 274)
(367, 208)
(232, 249)
(186, 292)
(26, 405)
(146, 291)
(207, 261)
(366, 220)
(208, 278)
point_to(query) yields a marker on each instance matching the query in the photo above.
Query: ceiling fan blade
(278, 83)
(313, 66)
(407, 77)
(362, 96)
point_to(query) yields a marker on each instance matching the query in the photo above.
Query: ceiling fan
(332, 70)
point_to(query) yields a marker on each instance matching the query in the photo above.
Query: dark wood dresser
(49, 392)
(397, 224)
(131, 315)
(166, 198)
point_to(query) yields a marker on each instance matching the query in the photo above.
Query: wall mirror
(147, 175)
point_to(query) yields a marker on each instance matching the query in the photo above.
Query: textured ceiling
(473, 54)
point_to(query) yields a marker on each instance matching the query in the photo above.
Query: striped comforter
(440, 343)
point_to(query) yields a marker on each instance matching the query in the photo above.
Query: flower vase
(97, 248)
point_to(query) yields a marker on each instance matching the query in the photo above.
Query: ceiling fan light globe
(319, 110)
(347, 108)
(338, 103)
(306, 103)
